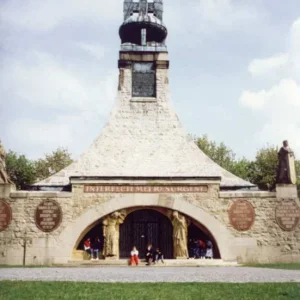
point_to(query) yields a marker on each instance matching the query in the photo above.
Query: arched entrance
(146, 226)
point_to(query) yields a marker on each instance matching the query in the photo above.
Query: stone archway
(219, 231)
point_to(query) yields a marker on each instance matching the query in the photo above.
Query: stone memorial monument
(145, 163)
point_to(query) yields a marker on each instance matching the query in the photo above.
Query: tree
(20, 169)
(220, 154)
(52, 163)
(224, 157)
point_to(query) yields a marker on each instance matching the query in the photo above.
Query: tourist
(196, 249)
(87, 247)
(159, 256)
(191, 248)
(202, 248)
(134, 256)
(209, 251)
(95, 249)
(150, 257)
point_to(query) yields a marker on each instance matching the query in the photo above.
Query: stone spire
(143, 138)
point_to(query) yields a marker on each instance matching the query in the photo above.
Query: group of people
(153, 255)
(92, 247)
(199, 248)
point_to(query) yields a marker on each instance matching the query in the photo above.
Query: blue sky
(234, 71)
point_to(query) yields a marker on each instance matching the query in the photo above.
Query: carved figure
(3, 174)
(111, 232)
(286, 173)
(180, 228)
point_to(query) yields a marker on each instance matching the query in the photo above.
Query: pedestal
(6, 189)
(286, 191)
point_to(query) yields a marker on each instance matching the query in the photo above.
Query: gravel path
(151, 274)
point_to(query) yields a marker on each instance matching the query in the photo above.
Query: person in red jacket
(87, 246)
(134, 256)
(202, 248)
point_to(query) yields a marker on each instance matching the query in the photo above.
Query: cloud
(279, 104)
(41, 16)
(264, 67)
(95, 50)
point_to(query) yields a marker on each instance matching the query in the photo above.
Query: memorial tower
(143, 138)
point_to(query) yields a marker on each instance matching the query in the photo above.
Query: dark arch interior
(145, 226)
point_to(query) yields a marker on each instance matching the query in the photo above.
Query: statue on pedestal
(286, 173)
(4, 178)
(111, 232)
(180, 231)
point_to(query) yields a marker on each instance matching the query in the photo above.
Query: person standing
(96, 248)
(209, 250)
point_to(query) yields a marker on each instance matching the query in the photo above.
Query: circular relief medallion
(48, 216)
(5, 215)
(241, 215)
(287, 215)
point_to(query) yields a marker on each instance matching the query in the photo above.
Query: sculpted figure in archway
(180, 232)
(111, 232)
(3, 174)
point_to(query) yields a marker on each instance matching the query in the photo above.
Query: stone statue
(111, 231)
(180, 231)
(286, 173)
(3, 174)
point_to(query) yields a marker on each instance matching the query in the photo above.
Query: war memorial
(144, 180)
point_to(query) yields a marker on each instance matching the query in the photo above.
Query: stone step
(167, 263)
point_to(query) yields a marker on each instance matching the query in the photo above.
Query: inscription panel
(241, 215)
(5, 215)
(287, 215)
(143, 80)
(144, 189)
(48, 216)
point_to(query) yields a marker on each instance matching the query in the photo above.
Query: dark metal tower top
(143, 25)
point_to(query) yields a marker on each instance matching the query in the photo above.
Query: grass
(282, 266)
(11, 290)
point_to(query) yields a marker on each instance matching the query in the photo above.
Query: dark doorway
(198, 232)
(143, 227)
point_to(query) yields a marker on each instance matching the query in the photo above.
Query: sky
(234, 71)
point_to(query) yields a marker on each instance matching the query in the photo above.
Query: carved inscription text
(145, 189)
(48, 216)
(5, 215)
(241, 215)
(287, 215)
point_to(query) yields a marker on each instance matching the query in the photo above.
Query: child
(87, 246)
(159, 255)
(134, 256)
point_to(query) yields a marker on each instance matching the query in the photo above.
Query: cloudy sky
(235, 71)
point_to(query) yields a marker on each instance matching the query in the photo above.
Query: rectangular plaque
(145, 189)
(143, 80)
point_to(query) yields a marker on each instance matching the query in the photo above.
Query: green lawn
(177, 291)
(291, 266)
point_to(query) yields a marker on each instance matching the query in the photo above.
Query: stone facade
(264, 242)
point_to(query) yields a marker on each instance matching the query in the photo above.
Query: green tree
(263, 170)
(52, 163)
(20, 169)
(224, 157)
(219, 153)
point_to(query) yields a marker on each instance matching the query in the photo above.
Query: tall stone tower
(143, 138)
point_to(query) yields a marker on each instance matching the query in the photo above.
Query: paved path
(151, 274)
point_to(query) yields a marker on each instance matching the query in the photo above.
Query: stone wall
(265, 241)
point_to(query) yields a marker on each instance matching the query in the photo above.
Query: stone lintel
(286, 191)
(246, 194)
(143, 57)
(6, 189)
(37, 194)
